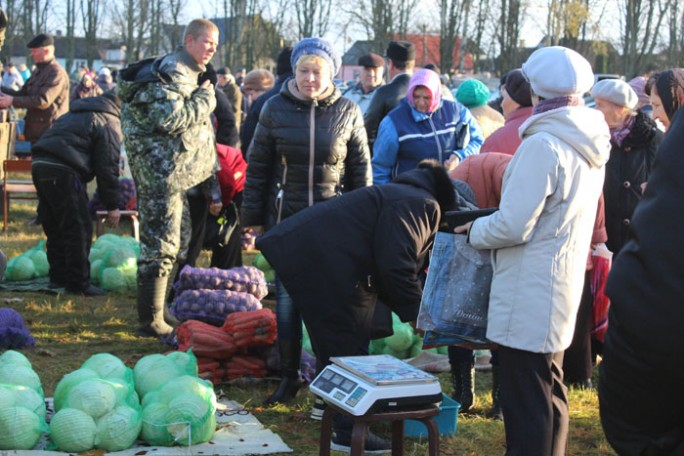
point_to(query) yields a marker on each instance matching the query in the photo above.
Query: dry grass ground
(68, 330)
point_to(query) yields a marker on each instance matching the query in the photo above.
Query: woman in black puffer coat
(309, 146)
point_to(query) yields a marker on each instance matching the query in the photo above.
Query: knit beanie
(638, 84)
(472, 93)
(430, 80)
(319, 47)
(518, 88)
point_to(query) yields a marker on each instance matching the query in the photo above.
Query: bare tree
(131, 20)
(70, 33)
(404, 11)
(675, 47)
(567, 23)
(507, 33)
(642, 24)
(451, 17)
(90, 15)
(33, 16)
(482, 19)
(313, 17)
(376, 18)
(13, 33)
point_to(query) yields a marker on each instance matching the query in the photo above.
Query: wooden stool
(358, 441)
(133, 215)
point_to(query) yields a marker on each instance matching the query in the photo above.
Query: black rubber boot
(169, 296)
(291, 382)
(495, 412)
(151, 304)
(463, 380)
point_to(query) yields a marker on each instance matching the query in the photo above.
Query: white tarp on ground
(237, 434)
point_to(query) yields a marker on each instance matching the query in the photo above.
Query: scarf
(618, 134)
(670, 87)
(555, 103)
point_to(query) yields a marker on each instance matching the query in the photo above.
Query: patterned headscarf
(669, 85)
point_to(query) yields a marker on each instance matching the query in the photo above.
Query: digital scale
(362, 384)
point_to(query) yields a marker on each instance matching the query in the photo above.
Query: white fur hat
(616, 91)
(557, 71)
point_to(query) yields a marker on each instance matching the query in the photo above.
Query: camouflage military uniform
(169, 140)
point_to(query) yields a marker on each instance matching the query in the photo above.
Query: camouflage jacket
(165, 119)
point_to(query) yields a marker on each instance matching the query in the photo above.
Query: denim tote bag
(453, 309)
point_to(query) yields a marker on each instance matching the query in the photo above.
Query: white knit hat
(616, 91)
(557, 71)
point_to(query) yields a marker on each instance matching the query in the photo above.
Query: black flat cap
(371, 60)
(401, 51)
(222, 70)
(41, 40)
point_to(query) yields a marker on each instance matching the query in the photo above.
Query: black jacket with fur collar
(336, 258)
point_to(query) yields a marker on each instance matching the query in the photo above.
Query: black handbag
(219, 231)
(228, 220)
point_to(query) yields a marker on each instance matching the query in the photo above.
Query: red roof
(427, 50)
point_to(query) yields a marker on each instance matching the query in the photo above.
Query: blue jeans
(287, 315)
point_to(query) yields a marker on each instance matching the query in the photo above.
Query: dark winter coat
(252, 119)
(87, 140)
(288, 173)
(45, 96)
(645, 284)
(336, 258)
(226, 128)
(385, 99)
(629, 166)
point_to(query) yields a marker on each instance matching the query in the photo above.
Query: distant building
(427, 51)
(110, 53)
(602, 55)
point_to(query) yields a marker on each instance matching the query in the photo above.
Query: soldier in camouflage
(170, 144)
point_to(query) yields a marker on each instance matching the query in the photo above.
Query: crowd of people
(346, 189)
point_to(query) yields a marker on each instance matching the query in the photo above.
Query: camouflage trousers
(165, 231)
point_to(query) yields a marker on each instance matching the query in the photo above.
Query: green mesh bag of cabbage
(181, 412)
(22, 403)
(113, 263)
(97, 407)
(29, 265)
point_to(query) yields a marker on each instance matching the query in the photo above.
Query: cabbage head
(14, 357)
(118, 429)
(20, 428)
(107, 366)
(67, 382)
(154, 429)
(113, 280)
(73, 430)
(94, 397)
(13, 374)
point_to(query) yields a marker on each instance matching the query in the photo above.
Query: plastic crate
(446, 420)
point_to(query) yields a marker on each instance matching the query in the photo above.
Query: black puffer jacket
(629, 166)
(88, 140)
(376, 240)
(288, 172)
